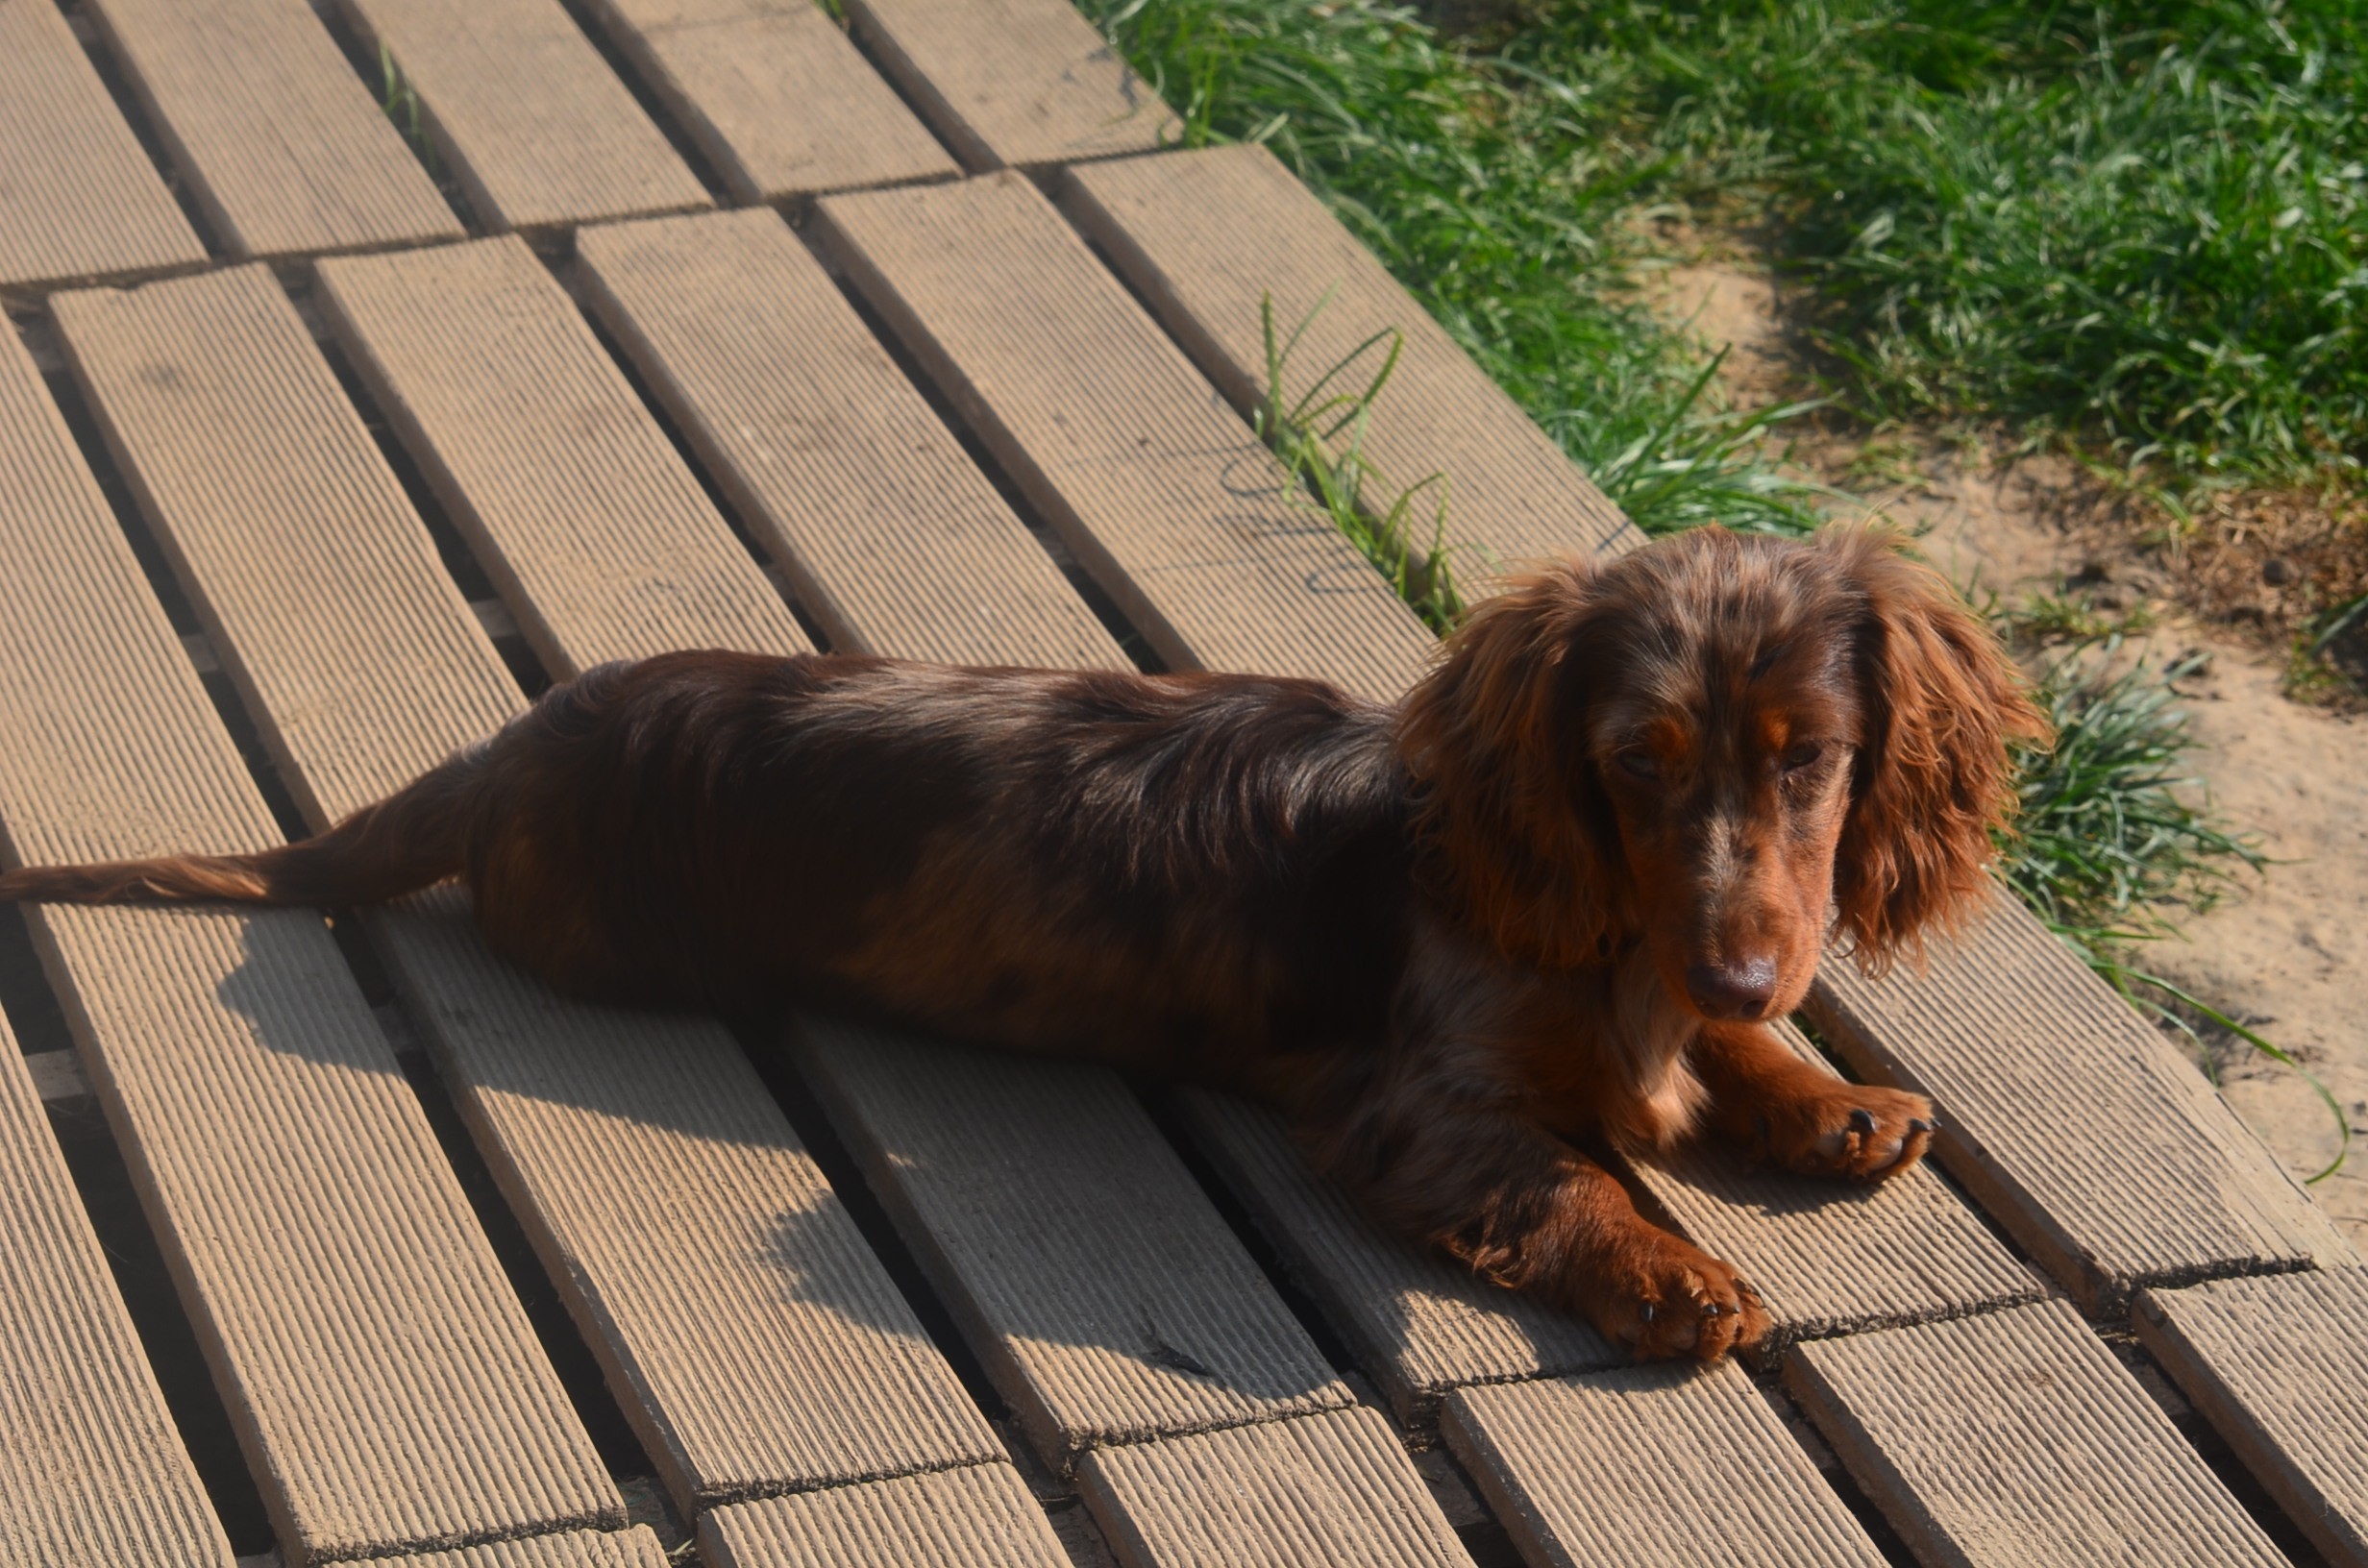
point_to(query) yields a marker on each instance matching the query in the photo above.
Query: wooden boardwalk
(724, 325)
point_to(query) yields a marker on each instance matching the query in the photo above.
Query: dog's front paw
(1854, 1130)
(1668, 1298)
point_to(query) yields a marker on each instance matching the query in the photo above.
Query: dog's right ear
(1510, 819)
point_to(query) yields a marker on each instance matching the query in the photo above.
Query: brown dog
(1547, 902)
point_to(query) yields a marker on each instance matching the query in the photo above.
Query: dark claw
(1645, 1313)
(1711, 1309)
(1919, 1125)
(1862, 1121)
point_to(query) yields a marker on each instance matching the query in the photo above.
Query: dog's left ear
(1935, 775)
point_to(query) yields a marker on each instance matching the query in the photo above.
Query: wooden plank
(534, 124)
(978, 1517)
(1154, 484)
(2016, 1438)
(776, 96)
(1419, 1323)
(78, 197)
(1014, 83)
(92, 1469)
(1205, 237)
(571, 496)
(1107, 1298)
(1209, 238)
(1651, 1467)
(385, 1381)
(2068, 1116)
(747, 1331)
(850, 482)
(1285, 1494)
(283, 145)
(634, 1548)
(1837, 1257)
(2279, 1367)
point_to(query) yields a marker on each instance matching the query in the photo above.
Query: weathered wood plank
(386, 1383)
(1152, 481)
(855, 489)
(978, 1517)
(2016, 1438)
(2068, 1116)
(1321, 1489)
(776, 97)
(571, 497)
(288, 152)
(748, 1332)
(1837, 1257)
(536, 127)
(1419, 1323)
(92, 1469)
(1014, 83)
(78, 198)
(2279, 1367)
(1209, 238)
(635, 1548)
(1107, 1298)
(1651, 1467)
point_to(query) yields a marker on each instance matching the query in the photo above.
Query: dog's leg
(1769, 1103)
(1529, 1211)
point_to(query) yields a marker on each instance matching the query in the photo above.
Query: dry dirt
(2288, 953)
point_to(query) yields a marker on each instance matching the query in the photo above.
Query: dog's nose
(1733, 991)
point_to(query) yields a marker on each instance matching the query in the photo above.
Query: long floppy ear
(1510, 817)
(1934, 777)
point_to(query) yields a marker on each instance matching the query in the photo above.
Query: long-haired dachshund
(1546, 902)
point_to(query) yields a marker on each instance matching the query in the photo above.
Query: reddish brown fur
(1543, 906)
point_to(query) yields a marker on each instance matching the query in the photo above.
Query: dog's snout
(1740, 990)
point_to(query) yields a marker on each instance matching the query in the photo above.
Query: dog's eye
(1803, 755)
(1639, 765)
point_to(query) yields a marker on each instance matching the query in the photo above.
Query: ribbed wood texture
(739, 1316)
(239, 444)
(1421, 1324)
(1109, 1301)
(386, 1387)
(530, 118)
(776, 97)
(748, 1332)
(2017, 1439)
(2069, 1118)
(1154, 482)
(285, 149)
(1324, 1490)
(635, 1548)
(2279, 1367)
(79, 199)
(1210, 237)
(1013, 82)
(1651, 1467)
(92, 1470)
(1831, 1257)
(978, 1517)
(893, 539)
(534, 443)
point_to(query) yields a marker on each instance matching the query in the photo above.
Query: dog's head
(1709, 745)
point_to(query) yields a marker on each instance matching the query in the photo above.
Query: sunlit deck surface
(329, 435)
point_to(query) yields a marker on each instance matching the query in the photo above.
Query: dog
(1469, 943)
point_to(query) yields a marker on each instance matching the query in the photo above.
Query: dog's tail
(413, 839)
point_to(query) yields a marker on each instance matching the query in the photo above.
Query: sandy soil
(2288, 954)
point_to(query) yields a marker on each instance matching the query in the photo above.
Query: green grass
(2136, 225)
